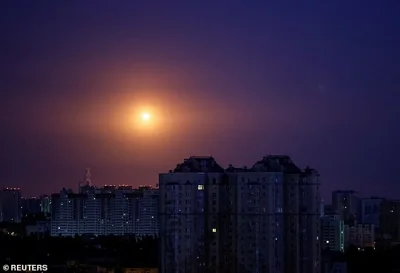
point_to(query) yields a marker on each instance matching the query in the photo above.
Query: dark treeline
(381, 260)
(32, 218)
(115, 251)
(107, 250)
(368, 260)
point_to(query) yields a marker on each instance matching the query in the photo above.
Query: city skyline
(265, 217)
(326, 196)
(237, 81)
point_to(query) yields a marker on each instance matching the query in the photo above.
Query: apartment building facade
(389, 231)
(10, 205)
(347, 203)
(260, 219)
(371, 211)
(360, 235)
(109, 210)
(333, 233)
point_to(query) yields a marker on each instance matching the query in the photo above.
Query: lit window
(327, 242)
(214, 230)
(200, 187)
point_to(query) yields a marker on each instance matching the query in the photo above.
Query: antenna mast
(87, 177)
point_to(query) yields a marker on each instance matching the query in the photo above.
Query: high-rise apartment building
(259, 219)
(30, 205)
(329, 210)
(390, 221)
(117, 210)
(371, 211)
(333, 233)
(45, 204)
(192, 219)
(360, 235)
(347, 204)
(10, 199)
(147, 204)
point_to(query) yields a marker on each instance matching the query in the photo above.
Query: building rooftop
(232, 169)
(270, 163)
(276, 163)
(374, 198)
(11, 189)
(198, 164)
(345, 191)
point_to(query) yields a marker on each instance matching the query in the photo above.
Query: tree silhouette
(75, 252)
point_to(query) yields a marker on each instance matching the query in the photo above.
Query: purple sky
(320, 82)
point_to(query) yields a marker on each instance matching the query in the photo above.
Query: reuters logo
(25, 267)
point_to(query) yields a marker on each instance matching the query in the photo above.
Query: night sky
(233, 79)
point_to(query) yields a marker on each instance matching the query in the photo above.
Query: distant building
(45, 204)
(30, 205)
(390, 221)
(322, 208)
(347, 204)
(117, 210)
(40, 228)
(371, 211)
(334, 262)
(360, 235)
(140, 270)
(10, 199)
(329, 210)
(127, 270)
(260, 219)
(333, 233)
(335, 267)
(147, 205)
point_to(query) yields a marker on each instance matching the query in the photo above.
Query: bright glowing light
(142, 120)
(145, 116)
